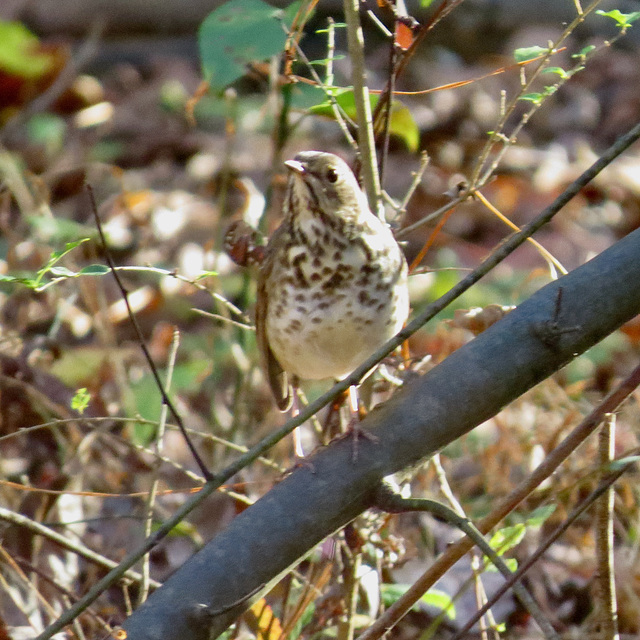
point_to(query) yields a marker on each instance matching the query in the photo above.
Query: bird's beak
(296, 166)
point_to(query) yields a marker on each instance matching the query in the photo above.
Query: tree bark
(264, 542)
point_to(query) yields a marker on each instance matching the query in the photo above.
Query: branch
(265, 541)
(366, 142)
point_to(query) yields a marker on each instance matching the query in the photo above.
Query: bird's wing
(276, 376)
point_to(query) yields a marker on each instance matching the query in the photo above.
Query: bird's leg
(298, 449)
(354, 430)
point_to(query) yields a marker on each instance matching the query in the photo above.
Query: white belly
(331, 338)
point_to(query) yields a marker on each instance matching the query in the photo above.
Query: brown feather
(276, 376)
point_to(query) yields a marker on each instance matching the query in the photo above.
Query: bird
(332, 287)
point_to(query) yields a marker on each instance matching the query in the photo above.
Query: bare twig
(606, 606)
(392, 502)
(605, 486)
(550, 464)
(75, 547)
(366, 141)
(427, 313)
(158, 447)
(165, 398)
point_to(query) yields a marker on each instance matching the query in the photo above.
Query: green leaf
(80, 400)
(512, 565)
(507, 538)
(440, 600)
(584, 52)
(205, 274)
(622, 20)
(69, 246)
(540, 515)
(237, 33)
(536, 98)
(48, 130)
(557, 70)
(401, 123)
(94, 270)
(434, 598)
(529, 53)
(25, 280)
(62, 272)
(19, 53)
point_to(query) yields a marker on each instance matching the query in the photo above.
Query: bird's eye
(332, 175)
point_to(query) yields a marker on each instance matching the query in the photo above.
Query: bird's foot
(356, 432)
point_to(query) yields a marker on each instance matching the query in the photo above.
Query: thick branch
(204, 596)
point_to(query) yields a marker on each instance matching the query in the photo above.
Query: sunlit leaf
(19, 52)
(622, 20)
(94, 270)
(401, 122)
(512, 565)
(528, 53)
(536, 98)
(584, 51)
(557, 70)
(507, 538)
(238, 33)
(540, 515)
(80, 400)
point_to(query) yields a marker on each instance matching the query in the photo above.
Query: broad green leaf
(401, 122)
(529, 53)
(622, 20)
(237, 33)
(19, 53)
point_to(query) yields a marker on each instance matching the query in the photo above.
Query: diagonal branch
(265, 541)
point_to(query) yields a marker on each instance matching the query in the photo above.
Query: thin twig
(366, 141)
(606, 605)
(392, 502)
(153, 490)
(443, 563)
(265, 444)
(75, 547)
(605, 485)
(480, 180)
(165, 398)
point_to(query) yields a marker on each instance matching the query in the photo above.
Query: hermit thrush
(333, 283)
